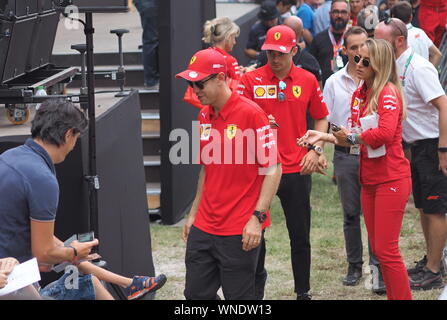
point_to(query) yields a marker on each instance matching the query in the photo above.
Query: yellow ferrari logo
(231, 131)
(277, 36)
(296, 91)
(193, 59)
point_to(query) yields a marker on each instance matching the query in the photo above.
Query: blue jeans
(148, 10)
(58, 290)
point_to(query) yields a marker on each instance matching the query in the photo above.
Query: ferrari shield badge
(231, 131)
(296, 91)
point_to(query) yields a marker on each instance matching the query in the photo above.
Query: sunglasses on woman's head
(365, 61)
(201, 84)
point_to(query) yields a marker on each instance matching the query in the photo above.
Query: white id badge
(339, 62)
(355, 150)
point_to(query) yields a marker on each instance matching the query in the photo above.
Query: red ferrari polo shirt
(232, 64)
(302, 93)
(393, 165)
(235, 146)
(434, 3)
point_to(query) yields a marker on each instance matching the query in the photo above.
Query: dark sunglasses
(201, 84)
(365, 61)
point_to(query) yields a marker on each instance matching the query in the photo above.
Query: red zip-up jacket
(393, 165)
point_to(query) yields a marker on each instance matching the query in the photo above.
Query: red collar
(293, 73)
(227, 108)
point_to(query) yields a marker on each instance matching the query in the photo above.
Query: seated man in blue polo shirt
(29, 196)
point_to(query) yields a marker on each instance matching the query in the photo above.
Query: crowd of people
(368, 77)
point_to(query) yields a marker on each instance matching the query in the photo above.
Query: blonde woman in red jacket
(377, 110)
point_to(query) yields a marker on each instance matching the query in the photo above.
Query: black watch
(442, 149)
(261, 215)
(317, 149)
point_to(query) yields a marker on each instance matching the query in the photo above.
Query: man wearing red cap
(286, 92)
(239, 176)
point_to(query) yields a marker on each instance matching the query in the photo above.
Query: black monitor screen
(97, 5)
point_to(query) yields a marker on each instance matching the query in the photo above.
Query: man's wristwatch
(317, 149)
(442, 149)
(261, 215)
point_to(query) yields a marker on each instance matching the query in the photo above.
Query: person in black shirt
(303, 58)
(415, 7)
(327, 45)
(269, 16)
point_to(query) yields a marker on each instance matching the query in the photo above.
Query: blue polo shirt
(28, 191)
(306, 14)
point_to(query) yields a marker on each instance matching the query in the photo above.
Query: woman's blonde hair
(383, 63)
(219, 29)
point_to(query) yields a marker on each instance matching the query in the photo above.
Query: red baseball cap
(203, 64)
(280, 38)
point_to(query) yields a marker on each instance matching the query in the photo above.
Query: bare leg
(437, 234)
(104, 275)
(424, 224)
(27, 293)
(101, 292)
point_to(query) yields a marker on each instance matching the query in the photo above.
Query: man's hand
(443, 162)
(322, 164)
(252, 233)
(83, 248)
(187, 227)
(309, 163)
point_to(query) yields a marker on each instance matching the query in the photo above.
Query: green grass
(328, 253)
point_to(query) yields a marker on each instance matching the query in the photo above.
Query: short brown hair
(354, 31)
(403, 11)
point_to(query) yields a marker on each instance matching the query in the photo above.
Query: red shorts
(433, 21)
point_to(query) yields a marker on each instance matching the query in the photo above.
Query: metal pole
(92, 178)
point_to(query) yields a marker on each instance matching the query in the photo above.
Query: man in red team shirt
(286, 92)
(433, 19)
(239, 176)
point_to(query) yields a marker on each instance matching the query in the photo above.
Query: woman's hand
(311, 137)
(6, 267)
(7, 264)
(341, 135)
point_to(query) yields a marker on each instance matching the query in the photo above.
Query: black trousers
(294, 193)
(213, 261)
